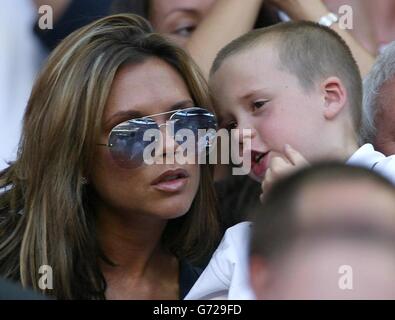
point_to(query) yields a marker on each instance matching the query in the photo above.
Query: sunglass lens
(201, 123)
(127, 142)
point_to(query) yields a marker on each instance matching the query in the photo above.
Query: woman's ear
(335, 96)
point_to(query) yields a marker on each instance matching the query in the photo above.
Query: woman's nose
(168, 139)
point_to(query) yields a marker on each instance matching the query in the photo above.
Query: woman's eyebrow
(127, 114)
(131, 114)
(190, 11)
(181, 104)
(252, 93)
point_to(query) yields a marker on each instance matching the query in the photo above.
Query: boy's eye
(231, 125)
(259, 104)
(185, 31)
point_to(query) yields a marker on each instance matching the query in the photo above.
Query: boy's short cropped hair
(309, 51)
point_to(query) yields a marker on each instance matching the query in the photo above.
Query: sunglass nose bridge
(169, 127)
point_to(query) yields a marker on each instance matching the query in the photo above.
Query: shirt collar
(365, 157)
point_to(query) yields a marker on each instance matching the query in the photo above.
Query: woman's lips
(171, 181)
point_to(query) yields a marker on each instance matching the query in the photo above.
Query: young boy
(293, 84)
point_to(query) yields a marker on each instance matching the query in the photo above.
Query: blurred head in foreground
(327, 232)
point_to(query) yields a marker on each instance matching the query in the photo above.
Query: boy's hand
(279, 167)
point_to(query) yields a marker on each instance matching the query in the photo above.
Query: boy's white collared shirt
(373, 160)
(227, 274)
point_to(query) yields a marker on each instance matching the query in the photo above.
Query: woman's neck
(133, 243)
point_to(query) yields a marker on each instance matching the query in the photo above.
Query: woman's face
(138, 90)
(178, 19)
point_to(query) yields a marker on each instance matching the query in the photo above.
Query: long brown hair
(45, 213)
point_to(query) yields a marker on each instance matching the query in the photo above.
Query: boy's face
(251, 92)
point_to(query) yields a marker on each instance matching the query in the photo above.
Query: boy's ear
(335, 96)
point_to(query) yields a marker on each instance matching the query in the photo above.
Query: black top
(12, 291)
(238, 196)
(188, 276)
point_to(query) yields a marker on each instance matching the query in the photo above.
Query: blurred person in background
(24, 47)
(219, 22)
(374, 22)
(176, 19)
(378, 117)
(204, 27)
(21, 56)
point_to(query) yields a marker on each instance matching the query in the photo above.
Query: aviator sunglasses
(126, 141)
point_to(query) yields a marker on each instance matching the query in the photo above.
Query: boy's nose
(242, 140)
(243, 133)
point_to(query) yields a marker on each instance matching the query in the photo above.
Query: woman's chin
(174, 210)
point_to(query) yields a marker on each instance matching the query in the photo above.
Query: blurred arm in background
(227, 20)
(313, 10)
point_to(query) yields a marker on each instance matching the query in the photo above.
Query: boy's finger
(294, 156)
(277, 165)
(279, 162)
(268, 177)
(263, 190)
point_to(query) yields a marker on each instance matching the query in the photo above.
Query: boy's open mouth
(259, 163)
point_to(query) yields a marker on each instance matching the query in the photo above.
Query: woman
(108, 227)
